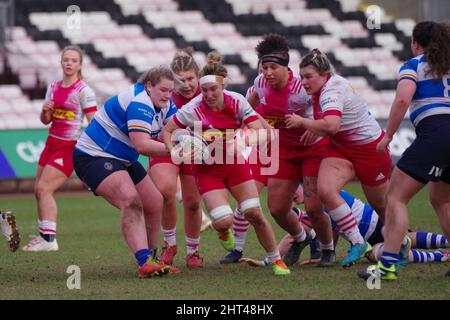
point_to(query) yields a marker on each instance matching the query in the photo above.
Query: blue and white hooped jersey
(365, 216)
(432, 96)
(130, 111)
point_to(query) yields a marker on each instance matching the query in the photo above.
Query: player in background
(371, 228)
(224, 112)
(240, 224)
(165, 174)
(424, 88)
(341, 114)
(66, 101)
(186, 88)
(106, 159)
(278, 92)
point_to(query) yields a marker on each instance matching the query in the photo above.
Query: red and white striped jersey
(339, 98)
(276, 104)
(69, 106)
(236, 113)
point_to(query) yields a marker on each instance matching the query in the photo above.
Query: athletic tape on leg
(249, 204)
(220, 213)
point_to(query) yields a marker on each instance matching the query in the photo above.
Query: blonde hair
(214, 66)
(80, 52)
(184, 61)
(154, 75)
(319, 60)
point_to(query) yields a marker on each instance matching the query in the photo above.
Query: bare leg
(263, 229)
(119, 190)
(192, 208)
(48, 181)
(440, 200)
(280, 197)
(152, 202)
(401, 189)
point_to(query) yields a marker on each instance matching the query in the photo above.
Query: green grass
(89, 236)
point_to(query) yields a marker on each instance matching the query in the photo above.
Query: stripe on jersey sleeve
(136, 125)
(332, 113)
(409, 70)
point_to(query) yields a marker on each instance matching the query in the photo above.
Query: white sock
(179, 196)
(240, 229)
(47, 227)
(327, 246)
(170, 236)
(301, 236)
(192, 245)
(273, 256)
(346, 222)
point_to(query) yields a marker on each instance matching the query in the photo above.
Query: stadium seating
(122, 38)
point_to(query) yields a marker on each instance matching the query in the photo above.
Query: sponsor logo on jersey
(63, 114)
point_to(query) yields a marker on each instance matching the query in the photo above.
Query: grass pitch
(89, 237)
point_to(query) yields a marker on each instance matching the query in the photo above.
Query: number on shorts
(446, 80)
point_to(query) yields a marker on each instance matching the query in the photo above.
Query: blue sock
(142, 256)
(154, 253)
(429, 240)
(424, 257)
(296, 210)
(388, 259)
(314, 248)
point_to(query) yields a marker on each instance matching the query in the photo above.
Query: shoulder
(143, 98)
(234, 94)
(195, 102)
(260, 82)
(236, 98)
(54, 84)
(335, 84)
(85, 88)
(296, 84)
(413, 64)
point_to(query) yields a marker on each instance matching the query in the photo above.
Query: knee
(393, 200)
(132, 202)
(254, 216)
(278, 210)
(222, 217)
(326, 194)
(191, 204)
(168, 193)
(41, 189)
(438, 202)
(314, 208)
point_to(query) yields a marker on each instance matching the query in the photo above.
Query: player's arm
(328, 126)
(90, 116)
(253, 99)
(140, 118)
(88, 102)
(404, 94)
(46, 113)
(146, 146)
(169, 128)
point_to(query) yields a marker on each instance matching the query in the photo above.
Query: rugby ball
(190, 147)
